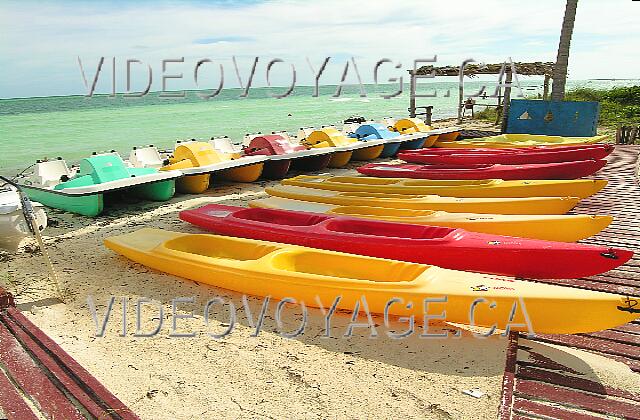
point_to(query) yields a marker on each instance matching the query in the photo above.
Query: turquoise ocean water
(75, 126)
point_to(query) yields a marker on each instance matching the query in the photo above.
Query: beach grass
(619, 106)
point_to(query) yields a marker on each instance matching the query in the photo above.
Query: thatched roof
(524, 69)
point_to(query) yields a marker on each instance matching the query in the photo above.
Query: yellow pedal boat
(563, 228)
(581, 188)
(415, 126)
(520, 140)
(199, 160)
(530, 205)
(307, 275)
(348, 148)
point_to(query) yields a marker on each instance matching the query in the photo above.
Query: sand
(239, 376)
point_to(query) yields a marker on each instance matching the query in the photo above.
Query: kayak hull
(519, 140)
(515, 158)
(318, 277)
(444, 247)
(560, 228)
(562, 170)
(452, 188)
(530, 205)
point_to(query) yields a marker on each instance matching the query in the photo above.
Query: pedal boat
(345, 148)
(13, 226)
(529, 205)
(560, 228)
(581, 188)
(310, 275)
(199, 161)
(100, 176)
(444, 247)
(282, 154)
(377, 131)
(420, 134)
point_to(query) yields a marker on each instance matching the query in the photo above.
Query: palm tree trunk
(562, 61)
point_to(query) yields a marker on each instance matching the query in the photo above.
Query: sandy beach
(242, 375)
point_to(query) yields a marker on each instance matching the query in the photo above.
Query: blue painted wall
(553, 118)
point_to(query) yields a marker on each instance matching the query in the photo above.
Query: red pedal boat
(560, 170)
(508, 157)
(440, 246)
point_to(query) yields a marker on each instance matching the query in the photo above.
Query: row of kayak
(325, 259)
(457, 233)
(296, 244)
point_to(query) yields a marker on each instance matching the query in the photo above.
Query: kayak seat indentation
(345, 266)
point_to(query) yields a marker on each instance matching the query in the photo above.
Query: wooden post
(506, 101)
(460, 94)
(412, 96)
(545, 93)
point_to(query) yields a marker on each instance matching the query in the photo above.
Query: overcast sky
(41, 42)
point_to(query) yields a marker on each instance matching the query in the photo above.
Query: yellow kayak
(520, 140)
(563, 228)
(198, 160)
(307, 275)
(451, 188)
(530, 205)
(352, 148)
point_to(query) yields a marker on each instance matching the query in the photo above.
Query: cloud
(220, 39)
(41, 41)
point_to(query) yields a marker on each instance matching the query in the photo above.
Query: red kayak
(444, 247)
(559, 170)
(533, 149)
(510, 157)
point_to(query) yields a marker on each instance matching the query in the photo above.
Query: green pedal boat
(83, 191)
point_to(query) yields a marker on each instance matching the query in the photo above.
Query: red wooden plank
(616, 336)
(592, 343)
(508, 379)
(566, 381)
(11, 402)
(82, 385)
(537, 410)
(32, 380)
(629, 328)
(577, 399)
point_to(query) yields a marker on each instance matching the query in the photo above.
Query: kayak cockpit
(277, 217)
(345, 266)
(387, 229)
(219, 247)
